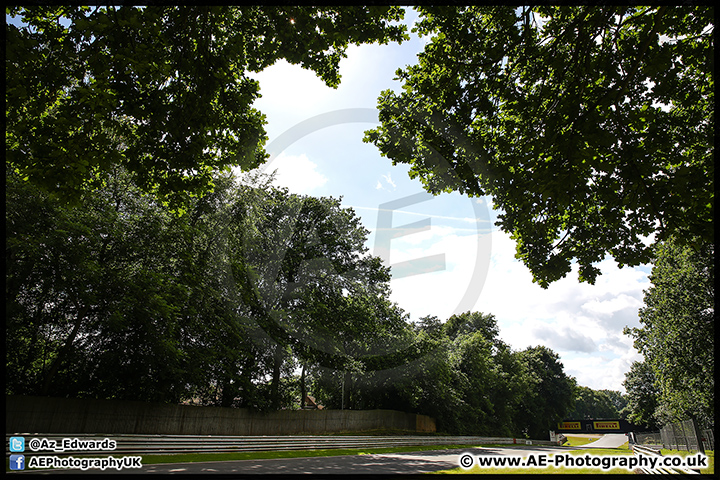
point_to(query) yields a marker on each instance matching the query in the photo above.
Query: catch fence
(679, 436)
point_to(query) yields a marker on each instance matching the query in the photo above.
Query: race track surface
(611, 440)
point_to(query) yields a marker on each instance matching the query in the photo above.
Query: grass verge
(683, 453)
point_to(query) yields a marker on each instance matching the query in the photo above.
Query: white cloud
(386, 180)
(297, 173)
(291, 87)
(605, 370)
(612, 305)
(582, 323)
(291, 94)
(452, 289)
(565, 339)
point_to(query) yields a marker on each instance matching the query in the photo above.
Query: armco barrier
(67, 415)
(175, 444)
(660, 470)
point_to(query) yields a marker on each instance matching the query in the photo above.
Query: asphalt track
(372, 464)
(611, 440)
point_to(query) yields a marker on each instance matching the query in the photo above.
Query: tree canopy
(677, 336)
(469, 380)
(596, 404)
(162, 90)
(118, 298)
(642, 395)
(592, 127)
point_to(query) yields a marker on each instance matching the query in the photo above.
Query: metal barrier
(686, 435)
(177, 444)
(652, 439)
(661, 470)
(708, 439)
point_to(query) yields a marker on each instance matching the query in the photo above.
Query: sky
(446, 254)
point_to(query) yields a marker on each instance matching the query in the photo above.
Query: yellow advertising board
(606, 425)
(569, 426)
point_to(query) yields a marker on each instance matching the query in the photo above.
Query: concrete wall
(67, 415)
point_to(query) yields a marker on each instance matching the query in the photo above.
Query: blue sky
(455, 259)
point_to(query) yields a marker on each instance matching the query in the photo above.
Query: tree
(231, 354)
(429, 382)
(551, 394)
(471, 322)
(642, 395)
(161, 90)
(92, 296)
(678, 333)
(591, 127)
(314, 290)
(591, 403)
(281, 282)
(487, 381)
(513, 385)
(119, 298)
(618, 400)
(365, 330)
(476, 380)
(472, 383)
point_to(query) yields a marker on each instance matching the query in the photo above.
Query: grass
(578, 440)
(622, 450)
(684, 453)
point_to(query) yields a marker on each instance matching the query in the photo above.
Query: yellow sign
(569, 426)
(606, 425)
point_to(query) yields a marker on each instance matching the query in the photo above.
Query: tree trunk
(303, 390)
(275, 385)
(229, 392)
(64, 351)
(346, 390)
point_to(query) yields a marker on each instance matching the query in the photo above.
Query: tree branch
(55, 366)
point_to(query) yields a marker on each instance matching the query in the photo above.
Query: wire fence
(679, 436)
(648, 438)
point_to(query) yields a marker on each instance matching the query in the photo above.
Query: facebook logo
(17, 462)
(17, 444)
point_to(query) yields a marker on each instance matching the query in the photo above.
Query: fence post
(698, 435)
(684, 436)
(664, 437)
(676, 435)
